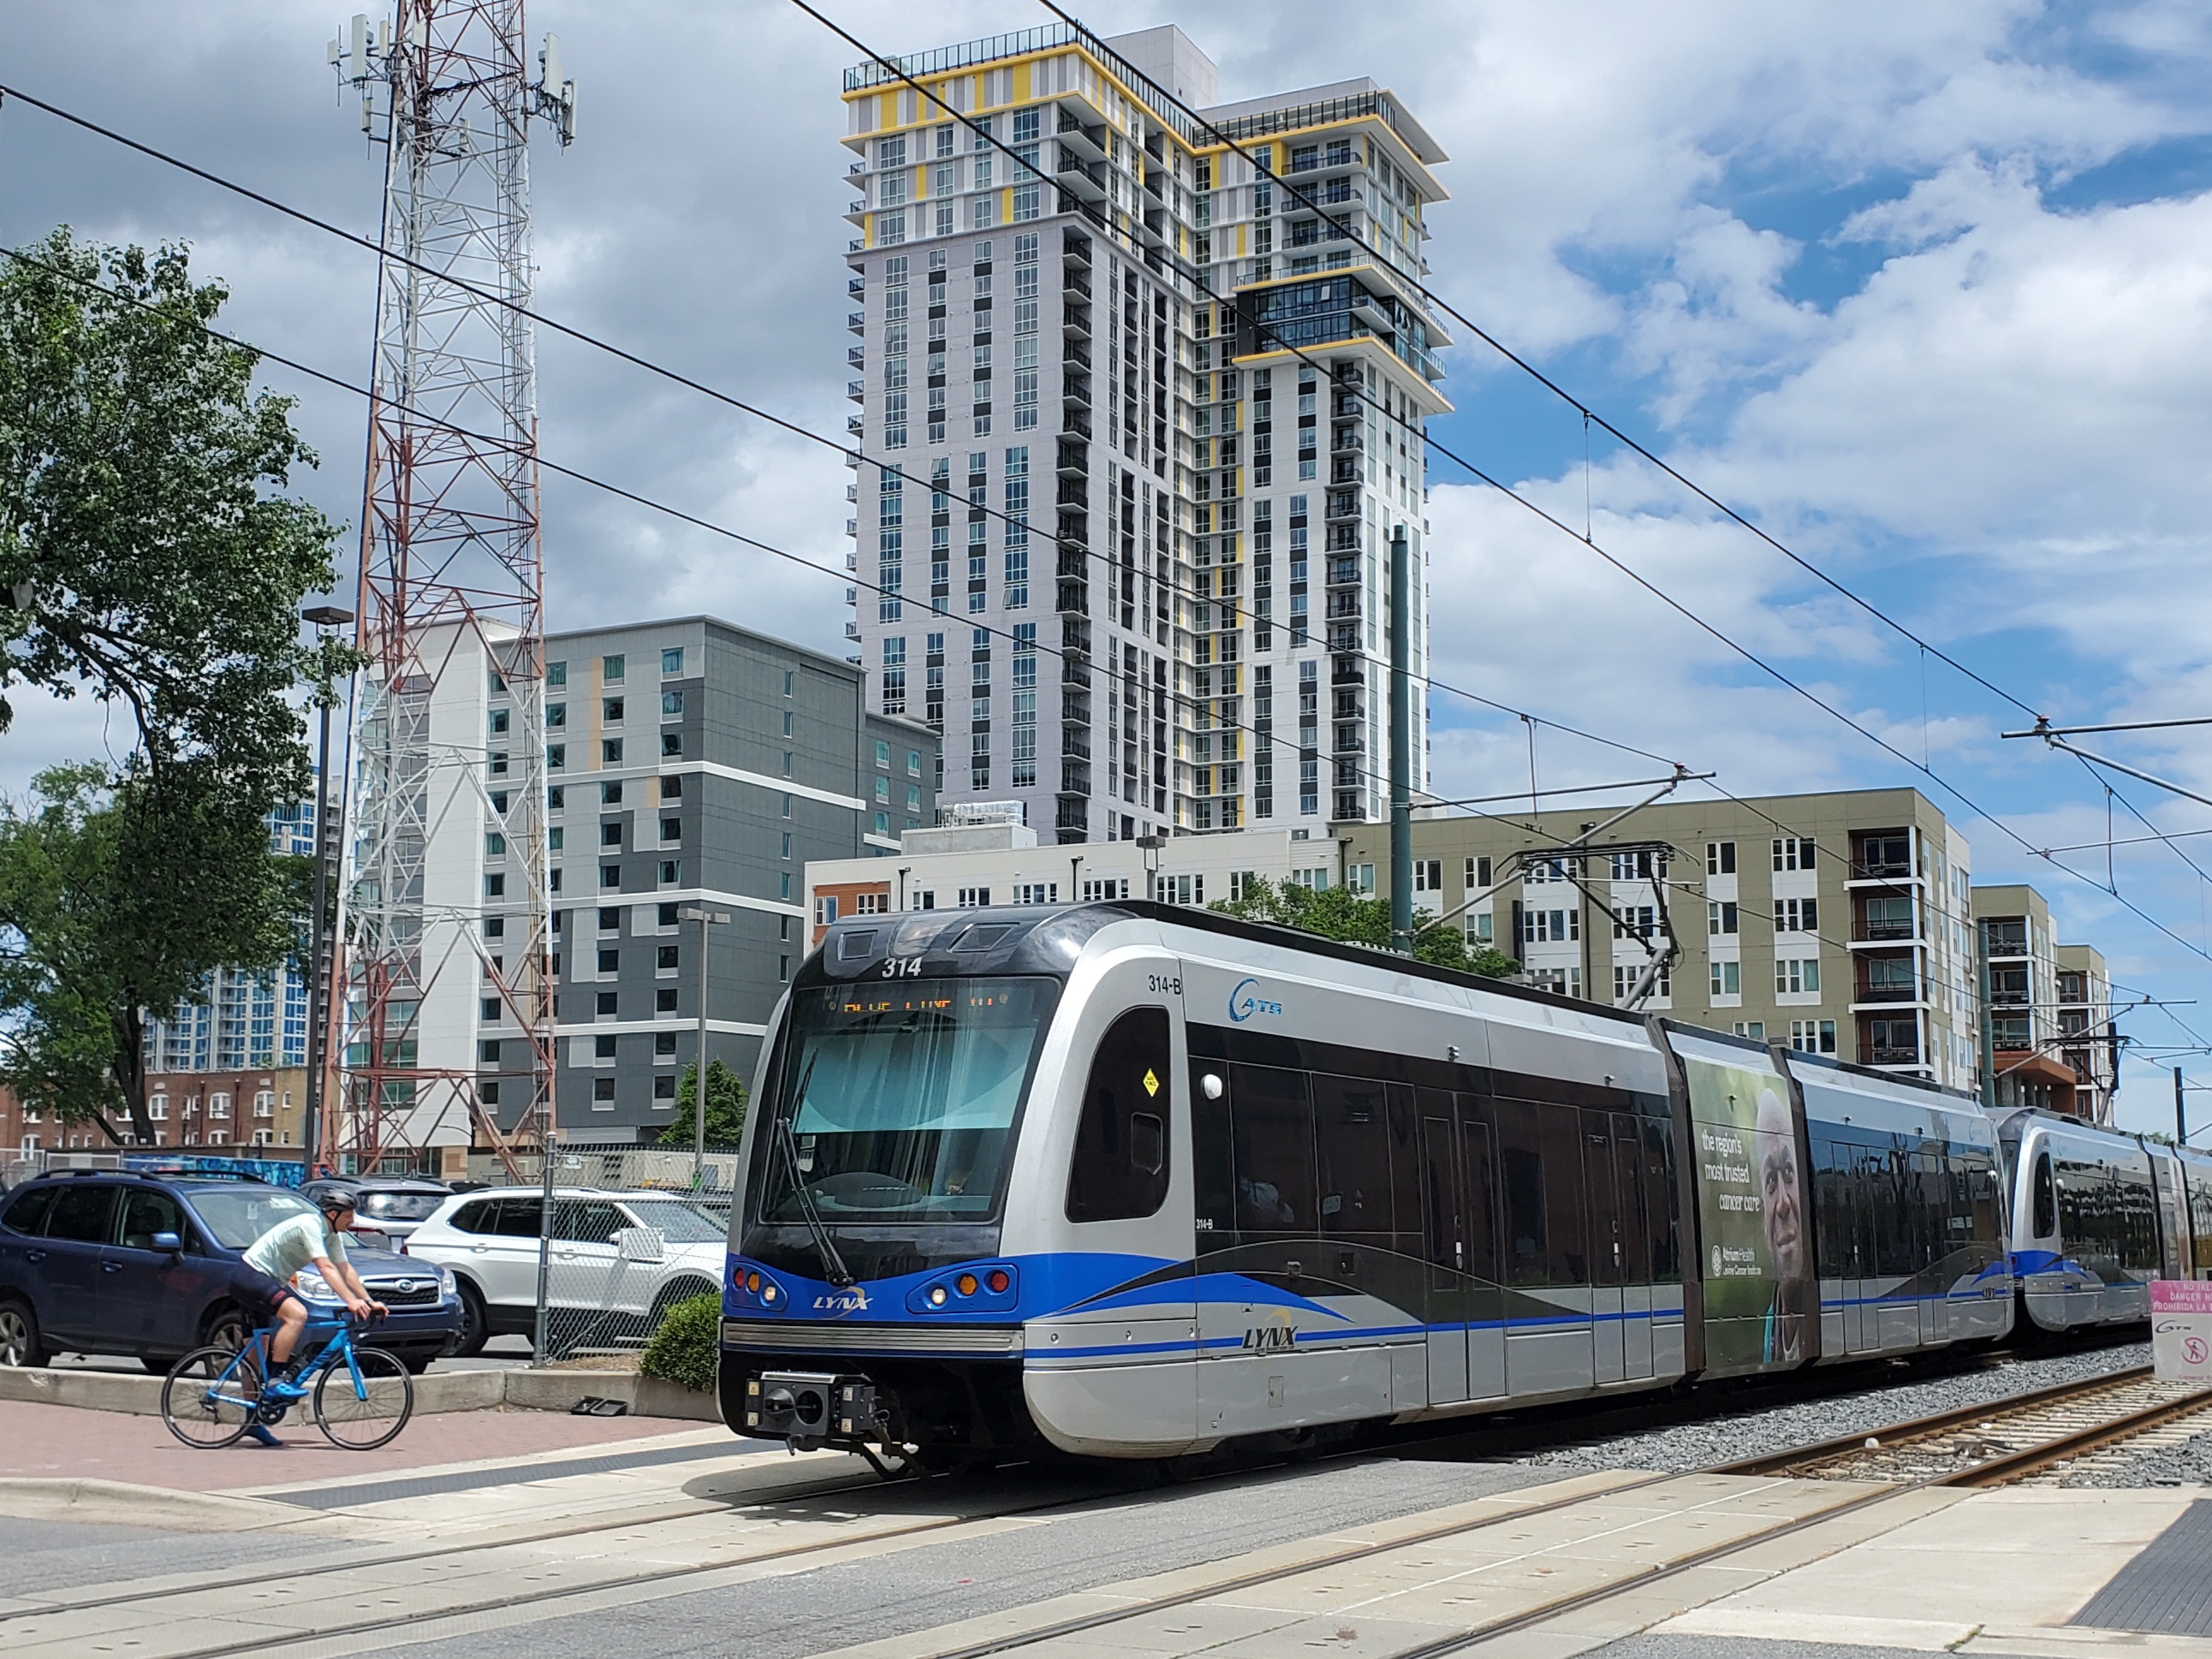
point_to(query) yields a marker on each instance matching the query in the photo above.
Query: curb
(548, 1390)
(121, 1502)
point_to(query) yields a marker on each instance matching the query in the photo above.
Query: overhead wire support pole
(1401, 751)
(1567, 850)
(2055, 738)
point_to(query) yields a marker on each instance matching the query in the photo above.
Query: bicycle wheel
(362, 1415)
(210, 1395)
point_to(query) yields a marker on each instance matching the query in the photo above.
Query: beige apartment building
(1838, 923)
(2050, 1008)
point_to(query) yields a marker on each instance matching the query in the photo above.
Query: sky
(1925, 293)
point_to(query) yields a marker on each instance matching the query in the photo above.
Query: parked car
(391, 1205)
(106, 1262)
(625, 1258)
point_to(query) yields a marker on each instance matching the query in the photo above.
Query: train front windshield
(898, 1102)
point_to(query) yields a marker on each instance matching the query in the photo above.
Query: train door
(1601, 1208)
(1636, 1248)
(1443, 1204)
(1843, 1221)
(1486, 1298)
(1928, 1208)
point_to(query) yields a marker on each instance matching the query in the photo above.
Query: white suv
(616, 1261)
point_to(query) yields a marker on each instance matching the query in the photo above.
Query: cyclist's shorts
(257, 1293)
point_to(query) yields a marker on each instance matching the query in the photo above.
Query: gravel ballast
(1759, 1431)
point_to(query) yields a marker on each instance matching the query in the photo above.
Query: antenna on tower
(448, 1037)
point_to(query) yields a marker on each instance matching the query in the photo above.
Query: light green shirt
(291, 1245)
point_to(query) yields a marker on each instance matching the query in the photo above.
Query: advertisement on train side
(1751, 1212)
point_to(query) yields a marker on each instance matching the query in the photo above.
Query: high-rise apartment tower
(1137, 419)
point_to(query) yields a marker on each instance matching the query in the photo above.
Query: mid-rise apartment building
(2087, 1041)
(1137, 421)
(693, 763)
(1838, 923)
(249, 1019)
(2050, 1008)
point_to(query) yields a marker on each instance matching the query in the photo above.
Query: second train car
(1134, 1181)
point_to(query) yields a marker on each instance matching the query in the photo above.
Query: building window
(1797, 915)
(610, 961)
(556, 675)
(1793, 853)
(1795, 975)
(671, 829)
(672, 660)
(610, 668)
(825, 909)
(974, 898)
(1720, 857)
(1727, 978)
(613, 711)
(603, 1094)
(496, 886)
(672, 871)
(610, 875)
(604, 1004)
(1813, 1037)
(664, 999)
(1721, 918)
(611, 750)
(663, 1091)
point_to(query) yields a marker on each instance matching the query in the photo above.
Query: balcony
(1074, 426)
(1075, 388)
(1344, 606)
(854, 245)
(1074, 351)
(852, 425)
(1346, 440)
(1344, 504)
(857, 356)
(1074, 461)
(1885, 932)
(855, 287)
(1075, 246)
(1074, 281)
(1887, 993)
(857, 321)
(1073, 135)
(1871, 1054)
(1344, 470)
(1076, 320)
(1085, 180)
(857, 391)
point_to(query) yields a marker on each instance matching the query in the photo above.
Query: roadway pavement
(501, 1534)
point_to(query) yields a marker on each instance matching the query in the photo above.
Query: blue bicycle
(361, 1397)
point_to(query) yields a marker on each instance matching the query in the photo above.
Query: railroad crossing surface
(613, 1538)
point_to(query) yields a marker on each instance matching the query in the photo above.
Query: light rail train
(1128, 1180)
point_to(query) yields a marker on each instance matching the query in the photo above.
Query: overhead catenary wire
(576, 475)
(1588, 414)
(690, 383)
(677, 377)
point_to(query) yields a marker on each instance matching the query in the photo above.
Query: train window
(1832, 1207)
(1521, 1177)
(1566, 1197)
(1272, 1124)
(1351, 1127)
(1120, 1170)
(2046, 1198)
(1213, 1165)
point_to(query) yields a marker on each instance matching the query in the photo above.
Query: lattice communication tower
(448, 921)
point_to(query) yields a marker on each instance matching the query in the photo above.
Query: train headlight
(937, 1296)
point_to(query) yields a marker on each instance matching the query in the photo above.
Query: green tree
(725, 1107)
(147, 555)
(1339, 913)
(117, 897)
(147, 558)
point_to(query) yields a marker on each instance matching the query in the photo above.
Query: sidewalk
(67, 1442)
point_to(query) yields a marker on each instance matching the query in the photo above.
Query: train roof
(1029, 938)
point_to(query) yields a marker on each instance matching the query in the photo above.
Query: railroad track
(349, 1597)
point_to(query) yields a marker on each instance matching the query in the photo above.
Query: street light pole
(706, 919)
(323, 617)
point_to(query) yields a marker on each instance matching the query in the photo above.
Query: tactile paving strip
(2166, 1591)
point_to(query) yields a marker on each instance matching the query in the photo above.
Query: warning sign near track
(2181, 1330)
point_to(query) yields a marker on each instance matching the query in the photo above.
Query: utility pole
(327, 845)
(706, 919)
(1401, 753)
(2180, 1112)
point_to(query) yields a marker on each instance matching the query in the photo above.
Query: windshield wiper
(787, 1138)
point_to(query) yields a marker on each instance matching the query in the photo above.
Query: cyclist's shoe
(284, 1388)
(259, 1433)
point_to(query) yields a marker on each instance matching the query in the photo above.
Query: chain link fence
(599, 1244)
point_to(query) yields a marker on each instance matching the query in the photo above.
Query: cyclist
(261, 1284)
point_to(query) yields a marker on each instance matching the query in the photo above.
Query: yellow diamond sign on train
(1152, 1082)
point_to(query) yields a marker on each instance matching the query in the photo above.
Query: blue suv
(100, 1262)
